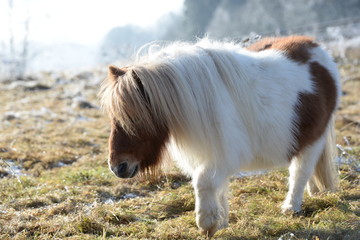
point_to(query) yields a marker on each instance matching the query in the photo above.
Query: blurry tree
(232, 19)
(328, 10)
(15, 55)
(122, 42)
(198, 15)
(194, 20)
(236, 18)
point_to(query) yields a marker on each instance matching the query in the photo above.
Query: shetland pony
(218, 108)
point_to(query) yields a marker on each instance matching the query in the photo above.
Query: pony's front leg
(224, 203)
(211, 205)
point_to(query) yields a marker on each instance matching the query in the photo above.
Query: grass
(66, 191)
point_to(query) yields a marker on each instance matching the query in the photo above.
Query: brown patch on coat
(144, 148)
(313, 110)
(295, 47)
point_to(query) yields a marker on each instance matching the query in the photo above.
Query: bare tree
(23, 61)
(16, 58)
(11, 56)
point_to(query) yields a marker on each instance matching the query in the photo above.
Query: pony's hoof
(208, 223)
(209, 232)
(223, 223)
(289, 209)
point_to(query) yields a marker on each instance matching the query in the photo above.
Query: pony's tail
(325, 177)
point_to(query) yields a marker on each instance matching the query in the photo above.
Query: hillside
(55, 182)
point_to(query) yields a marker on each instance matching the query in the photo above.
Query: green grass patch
(64, 190)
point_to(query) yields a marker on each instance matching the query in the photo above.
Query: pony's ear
(115, 72)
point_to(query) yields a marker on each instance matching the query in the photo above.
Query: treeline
(231, 19)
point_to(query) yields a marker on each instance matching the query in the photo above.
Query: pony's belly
(264, 163)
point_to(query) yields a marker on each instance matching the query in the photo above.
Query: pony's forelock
(123, 100)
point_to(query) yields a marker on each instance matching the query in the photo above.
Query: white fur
(300, 170)
(249, 109)
(229, 109)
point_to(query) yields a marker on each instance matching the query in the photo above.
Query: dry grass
(67, 192)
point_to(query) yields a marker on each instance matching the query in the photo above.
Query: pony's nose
(120, 170)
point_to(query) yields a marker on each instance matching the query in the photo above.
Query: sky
(79, 21)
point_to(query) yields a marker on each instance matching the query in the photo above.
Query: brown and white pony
(218, 108)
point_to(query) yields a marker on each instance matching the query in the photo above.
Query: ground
(55, 182)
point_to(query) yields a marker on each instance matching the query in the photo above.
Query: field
(55, 182)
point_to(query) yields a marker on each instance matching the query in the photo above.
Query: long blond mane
(122, 99)
(180, 81)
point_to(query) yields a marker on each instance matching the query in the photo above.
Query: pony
(218, 108)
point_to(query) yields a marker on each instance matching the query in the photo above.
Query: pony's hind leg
(300, 170)
(211, 205)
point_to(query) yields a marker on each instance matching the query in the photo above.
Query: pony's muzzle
(124, 170)
(121, 169)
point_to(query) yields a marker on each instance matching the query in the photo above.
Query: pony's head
(137, 138)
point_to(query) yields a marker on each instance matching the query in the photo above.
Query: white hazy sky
(79, 21)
